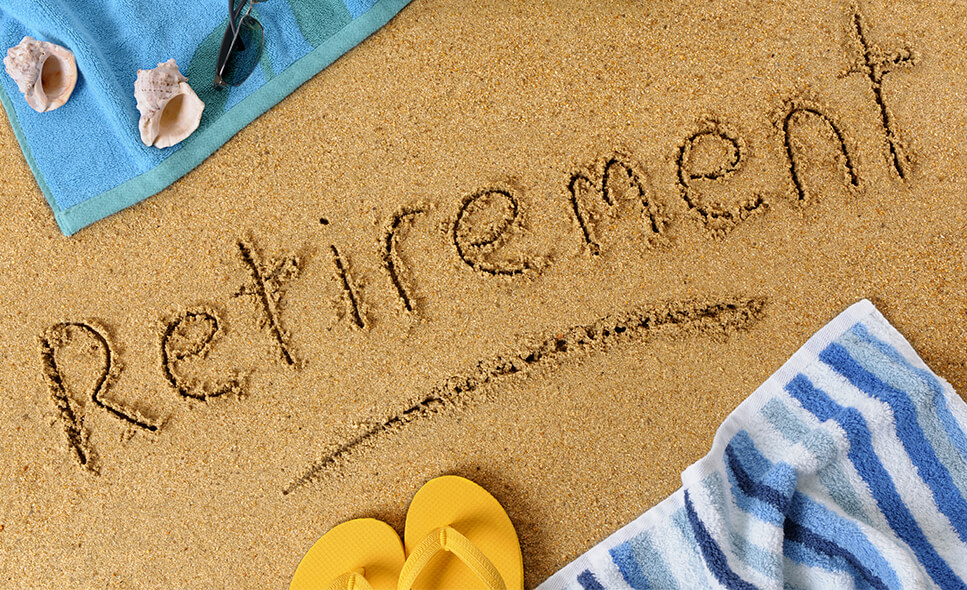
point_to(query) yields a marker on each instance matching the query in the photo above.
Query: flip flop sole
(364, 544)
(471, 510)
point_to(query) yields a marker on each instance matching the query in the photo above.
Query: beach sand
(197, 388)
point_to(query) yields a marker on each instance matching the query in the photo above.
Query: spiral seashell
(44, 72)
(170, 109)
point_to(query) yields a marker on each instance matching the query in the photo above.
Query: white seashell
(44, 72)
(170, 109)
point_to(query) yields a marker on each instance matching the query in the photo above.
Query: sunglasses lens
(246, 52)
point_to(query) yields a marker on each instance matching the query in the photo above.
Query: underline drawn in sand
(875, 64)
(461, 392)
(70, 404)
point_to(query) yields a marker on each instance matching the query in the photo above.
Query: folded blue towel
(846, 469)
(87, 155)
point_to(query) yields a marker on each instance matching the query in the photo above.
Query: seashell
(170, 109)
(45, 73)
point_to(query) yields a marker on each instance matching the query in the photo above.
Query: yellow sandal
(361, 554)
(458, 537)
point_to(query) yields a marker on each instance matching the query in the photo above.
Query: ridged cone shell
(44, 72)
(170, 109)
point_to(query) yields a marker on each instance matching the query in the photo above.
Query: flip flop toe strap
(449, 539)
(350, 581)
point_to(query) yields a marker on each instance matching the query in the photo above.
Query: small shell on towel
(44, 72)
(170, 109)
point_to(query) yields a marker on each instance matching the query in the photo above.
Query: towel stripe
(684, 549)
(930, 469)
(864, 458)
(823, 546)
(810, 571)
(804, 516)
(624, 557)
(822, 446)
(808, 558)
(921, 394)
(748, 485)
(715, 559)
(950, 424)
(743, 541)
(588, 581)
(652, 563)
(807, 518)
(954, 427)
(745, 496)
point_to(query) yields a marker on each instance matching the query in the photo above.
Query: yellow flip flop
(458, 537)
(361, 554)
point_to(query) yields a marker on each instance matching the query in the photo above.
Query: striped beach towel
(846, 469)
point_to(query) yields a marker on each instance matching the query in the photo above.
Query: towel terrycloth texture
(87, 155)
(846, 469)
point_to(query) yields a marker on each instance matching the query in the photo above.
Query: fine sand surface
(189, 396)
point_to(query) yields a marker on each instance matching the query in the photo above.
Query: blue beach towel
(846, 469)
(87, 156)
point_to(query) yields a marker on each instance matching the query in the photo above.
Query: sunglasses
(241, 46)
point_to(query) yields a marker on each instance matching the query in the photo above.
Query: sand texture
(546, 246)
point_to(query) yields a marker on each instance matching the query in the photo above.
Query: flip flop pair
(457, 537)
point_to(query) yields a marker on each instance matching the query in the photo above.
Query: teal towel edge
(135, 190)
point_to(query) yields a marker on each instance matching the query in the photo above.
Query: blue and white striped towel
(846, 469)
